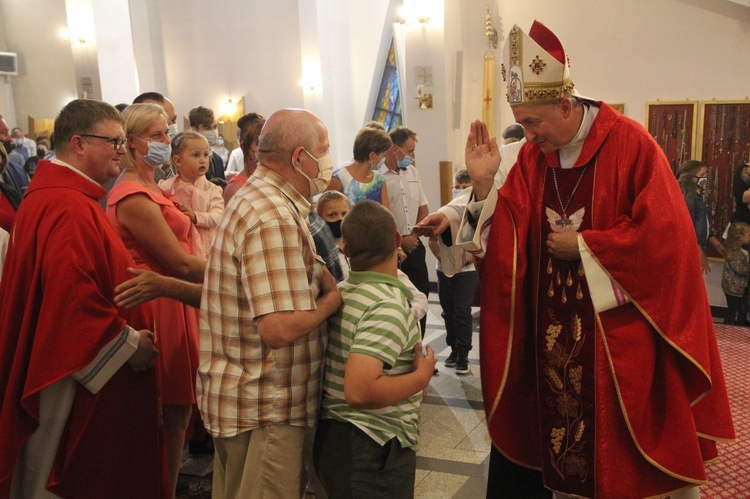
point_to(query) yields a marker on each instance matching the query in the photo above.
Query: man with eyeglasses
(79, 399)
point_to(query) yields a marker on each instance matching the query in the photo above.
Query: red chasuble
(56, 314)
(628, 402)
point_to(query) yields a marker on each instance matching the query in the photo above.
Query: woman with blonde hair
(156, 233)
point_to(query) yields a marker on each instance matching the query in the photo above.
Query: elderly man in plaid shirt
(265, 303)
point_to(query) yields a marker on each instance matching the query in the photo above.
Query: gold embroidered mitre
(535, 67)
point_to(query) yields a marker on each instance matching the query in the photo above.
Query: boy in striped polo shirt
(375, 369)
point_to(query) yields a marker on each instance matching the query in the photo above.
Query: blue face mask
(405, 162)
(379, 165)
(158, 153)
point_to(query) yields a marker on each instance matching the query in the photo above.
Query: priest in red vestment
(79, 406)
(600, 368)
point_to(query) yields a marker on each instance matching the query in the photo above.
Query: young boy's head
(462, 179)
(370, 235)
(332, 206)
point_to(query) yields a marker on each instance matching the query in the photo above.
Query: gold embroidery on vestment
(564, 376)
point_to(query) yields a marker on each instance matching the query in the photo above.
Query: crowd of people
(278, 304)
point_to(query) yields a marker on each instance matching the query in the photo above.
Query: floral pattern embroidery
(563, 375)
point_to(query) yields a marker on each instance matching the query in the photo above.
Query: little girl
(198, 198)
(734, 277)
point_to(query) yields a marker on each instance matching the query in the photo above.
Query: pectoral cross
(563, 222)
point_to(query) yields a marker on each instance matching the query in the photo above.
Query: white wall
(115, 54)
(214, 51)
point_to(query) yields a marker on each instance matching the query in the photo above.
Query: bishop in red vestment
(77, 383)
(599, 362)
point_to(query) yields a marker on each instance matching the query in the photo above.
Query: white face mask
(211, 136)
(172, 131)
(325, 171)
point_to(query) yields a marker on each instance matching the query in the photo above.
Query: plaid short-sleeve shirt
(262, 261)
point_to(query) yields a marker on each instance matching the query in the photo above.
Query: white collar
(569, 152)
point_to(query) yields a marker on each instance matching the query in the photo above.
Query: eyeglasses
(117, 142)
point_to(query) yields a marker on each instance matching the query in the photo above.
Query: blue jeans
(456, 295)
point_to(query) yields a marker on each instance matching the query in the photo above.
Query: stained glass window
(388, 106)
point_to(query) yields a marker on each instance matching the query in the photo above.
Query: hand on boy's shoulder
(324, 288)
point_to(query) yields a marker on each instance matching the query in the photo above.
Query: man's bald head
(285, 131)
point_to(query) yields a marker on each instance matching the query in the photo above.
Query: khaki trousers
(262, 463)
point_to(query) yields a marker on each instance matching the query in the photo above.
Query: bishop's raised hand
(482, 159)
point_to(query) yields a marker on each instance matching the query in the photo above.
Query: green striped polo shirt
(375, 320)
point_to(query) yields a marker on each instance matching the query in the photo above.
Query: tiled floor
(454, 446)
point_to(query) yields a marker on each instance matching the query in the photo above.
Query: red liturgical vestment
(627, 402)
(56, 314)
